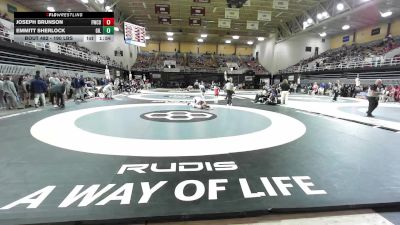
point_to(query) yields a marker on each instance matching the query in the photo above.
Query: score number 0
(108, 25)
(108, 21)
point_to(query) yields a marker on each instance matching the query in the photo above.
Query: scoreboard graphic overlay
(64, 26)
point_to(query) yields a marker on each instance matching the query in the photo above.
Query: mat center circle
(116, 130)
(178, 116)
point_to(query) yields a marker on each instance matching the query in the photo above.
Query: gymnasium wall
(151, 47)
(186, 47)
(364, 35)
(395, 27)
(337, 41)
(4, 4)
(167, 46)
(244, 50)
(277, 56)
(207, 48)
(107, 48)
(265, 51)
(293, 50)
(200, 47)
(226, 49)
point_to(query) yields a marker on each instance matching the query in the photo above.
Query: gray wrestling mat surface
(134, 160)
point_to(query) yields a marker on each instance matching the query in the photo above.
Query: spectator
(216, 94)
(59, 90)
(54, 82)
(39, 88)
(26, 94)
(336, 89)
(202, 89)
(78, 84)
(2, 102)
(10, 93)
(285, 87)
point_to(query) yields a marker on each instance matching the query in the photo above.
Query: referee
(229, 89)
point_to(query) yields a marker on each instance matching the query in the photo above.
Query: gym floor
(150, 157)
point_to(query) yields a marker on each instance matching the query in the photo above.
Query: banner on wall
(252, 25)
(231, 13)
(195, 21)
(224, 23)
(11, 9)
(161, 8)
(265, 81)
(281, 4)
(197, 11)
(164, 20)
(264, 15)
(248, 78)
(156, 76)
(375, 31)
(346, 38)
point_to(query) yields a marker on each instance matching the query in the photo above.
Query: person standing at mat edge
(39, 88)
(285, 87)
(10, 93)
(336, 89)
(216, 94)
(202, 90)
(2, 102)
(373, 97)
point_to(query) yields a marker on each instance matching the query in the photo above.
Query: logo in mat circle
(178, 116)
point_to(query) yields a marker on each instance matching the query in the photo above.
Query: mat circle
(70, 137)
(178, 116)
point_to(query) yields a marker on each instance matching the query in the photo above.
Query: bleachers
(366, 55)
(223, 59)
(145, 61)
(202, 62)
(190, 62)
(251, 63)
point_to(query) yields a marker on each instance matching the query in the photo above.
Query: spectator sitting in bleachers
(4, 16)
(346, 55)
(201, 62)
